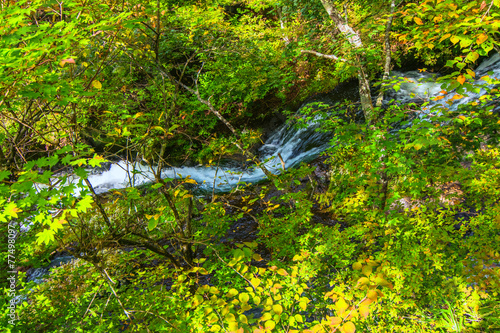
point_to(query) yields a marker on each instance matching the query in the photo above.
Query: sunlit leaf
(357, 266)
(349, 327)
(270, 324)
(96, 84)
(243, 297)
(12, 210)
(278, 309)
(461, 79)
(481, 38)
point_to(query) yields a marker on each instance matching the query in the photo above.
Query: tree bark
(328, 56)
(355, 40)
(387, 43)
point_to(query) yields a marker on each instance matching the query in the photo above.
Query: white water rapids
(293, 145)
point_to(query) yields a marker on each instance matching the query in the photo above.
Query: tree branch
(328, 56)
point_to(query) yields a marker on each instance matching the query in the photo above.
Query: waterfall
(294, 145)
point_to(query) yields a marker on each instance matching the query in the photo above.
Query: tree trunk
(387, 42)
(355, 40)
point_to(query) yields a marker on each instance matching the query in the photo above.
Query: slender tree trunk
(355, 40)
(387, 43)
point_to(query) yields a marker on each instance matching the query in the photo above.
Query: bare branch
(328, 56)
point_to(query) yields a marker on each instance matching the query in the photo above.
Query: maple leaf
(12, 210)
(45, 236)
(84, 204)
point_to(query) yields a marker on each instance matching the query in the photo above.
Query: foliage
(402, 235)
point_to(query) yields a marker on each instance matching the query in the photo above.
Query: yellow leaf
(341, 305)
(215, 328)
(256, 257)
(266, 316)
(471, 73)
(269, 324)
(454, 39)
(461, 79)
(367, 270)
(335, 321)
(364, 310)
(349, 327)
(96, 84)
(362, 281)
(230, 317)
(243, 319)
(232, 292)
(481, 38)
(461, 117)
(418, 21)
(357, 266)
(282, 272)
(278, 309)
(243, 297)
(473, 56)
(381, 281)
(372, 294)
(444, 37)
(255, 282)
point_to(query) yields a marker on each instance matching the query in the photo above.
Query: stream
(294, 145)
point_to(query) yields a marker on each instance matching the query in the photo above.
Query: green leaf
(12, 210)
(239, 254)
(46, 236)
(472, 56)
(84, 204)
(96, 161)
(81, 172)
(4, 174)
(152, 224)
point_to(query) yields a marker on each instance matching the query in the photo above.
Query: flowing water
(294, 145)
(422, 87)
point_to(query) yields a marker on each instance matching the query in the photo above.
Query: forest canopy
(388, 222)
